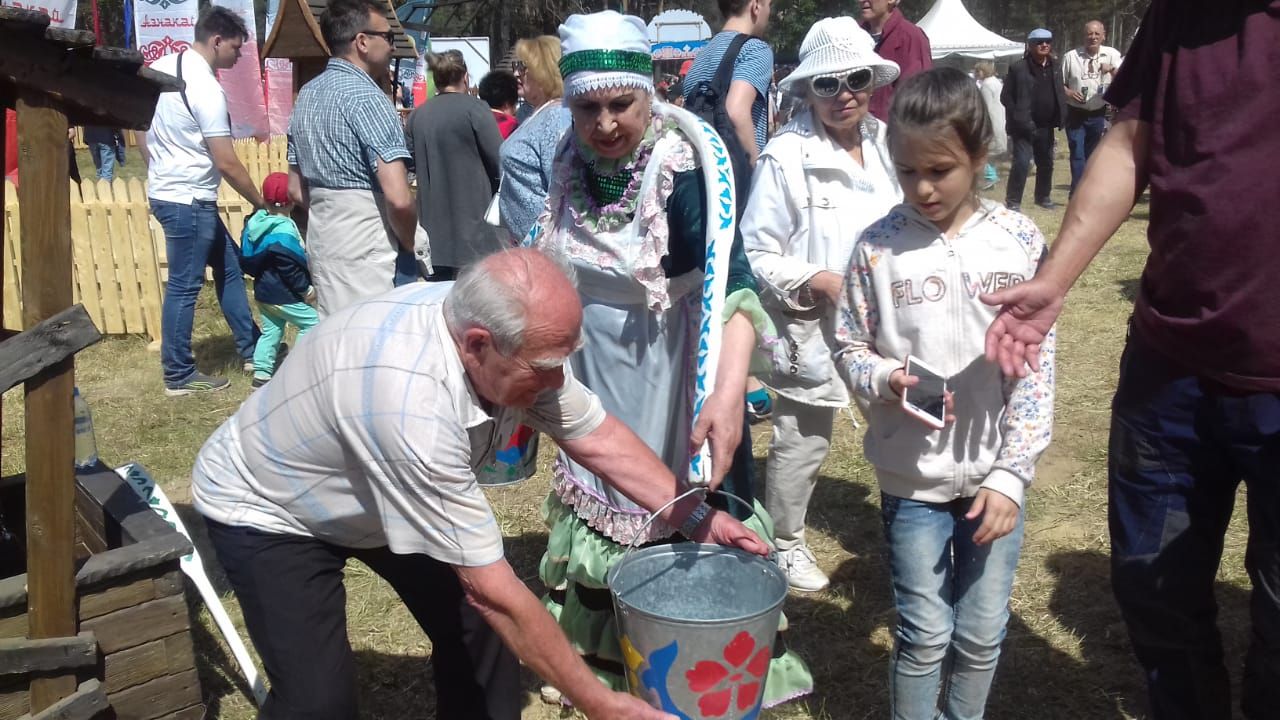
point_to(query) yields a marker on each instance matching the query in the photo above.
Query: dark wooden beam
(20, 655)
(89, 701)
(52, 341)
(88, 91)
(46, 291)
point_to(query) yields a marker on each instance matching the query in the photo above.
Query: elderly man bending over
(365, 446)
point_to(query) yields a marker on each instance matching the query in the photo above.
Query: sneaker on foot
(759, 405)
(1016, 207)
(198, 383)
(248, 366)
(801, 569)
(988, 184)
(1047, 204)
(258, 381)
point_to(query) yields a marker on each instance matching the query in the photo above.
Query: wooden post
(46, 268)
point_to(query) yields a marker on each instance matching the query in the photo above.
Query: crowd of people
(549, 274)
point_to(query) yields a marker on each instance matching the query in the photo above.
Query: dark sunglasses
(829, 86)
(1043, 42)
(518, 67)
(388, 35)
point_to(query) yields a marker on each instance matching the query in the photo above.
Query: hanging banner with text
(243, 82)
(164, 27)
(62, 13)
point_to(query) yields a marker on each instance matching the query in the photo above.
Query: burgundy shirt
(1205, 78)
(906, 44)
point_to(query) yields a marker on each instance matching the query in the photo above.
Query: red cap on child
(275, 189)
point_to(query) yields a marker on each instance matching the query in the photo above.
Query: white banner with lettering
(164, 27)
(62, 13)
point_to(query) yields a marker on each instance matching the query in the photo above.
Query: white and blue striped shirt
(370, 435)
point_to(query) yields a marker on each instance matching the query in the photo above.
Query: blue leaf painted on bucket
(655, 678)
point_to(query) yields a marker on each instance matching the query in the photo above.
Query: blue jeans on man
(1084, 132)
(104, 160)
(195, 238)
(1180, 446)
(952, 598)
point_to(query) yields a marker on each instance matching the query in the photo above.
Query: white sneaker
(801, 569)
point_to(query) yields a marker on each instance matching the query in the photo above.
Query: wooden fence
(118, 248)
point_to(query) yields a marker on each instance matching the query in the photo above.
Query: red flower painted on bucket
(716, 682)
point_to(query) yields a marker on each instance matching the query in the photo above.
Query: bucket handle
(773, 554)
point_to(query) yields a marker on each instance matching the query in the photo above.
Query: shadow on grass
(1129, 288)
(217, 355)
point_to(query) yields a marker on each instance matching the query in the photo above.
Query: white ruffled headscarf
(605, 50)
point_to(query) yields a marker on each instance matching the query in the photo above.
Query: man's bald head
(1094, 34)
(517, 295)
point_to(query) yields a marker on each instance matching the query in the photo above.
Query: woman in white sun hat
(822, 179)
(631, 208)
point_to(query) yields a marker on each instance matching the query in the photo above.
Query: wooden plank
(86, 276)
(115, 598)
(12, 260)
(195, 712)
(158, 697)
(126, 265)
(91, 93)
(48, 343)
(51, 494)
(146, 261)
(14, 626)
(134, 626)
(89, 701)
(108, 286)
(20, 655)
(170, 583)
(15, 701)
(137, 665)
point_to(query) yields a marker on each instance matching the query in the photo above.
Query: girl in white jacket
(950, 499)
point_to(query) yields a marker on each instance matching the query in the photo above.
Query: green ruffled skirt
(578, 556)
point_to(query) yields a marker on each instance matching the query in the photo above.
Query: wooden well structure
(296, 37)
(97, 625)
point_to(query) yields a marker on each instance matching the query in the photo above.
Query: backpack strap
(183, 90)
(724, 73)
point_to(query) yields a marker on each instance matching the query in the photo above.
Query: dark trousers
(1084, 132)
(1037, 145)
(290, 590)
(1179, 448)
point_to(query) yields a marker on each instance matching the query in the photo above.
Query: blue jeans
(1083, 134)
(195, 238)
(104, 159)
(1180, 446)
(952, 598)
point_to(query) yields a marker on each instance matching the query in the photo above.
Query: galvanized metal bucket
(515, 463)
(697, 624)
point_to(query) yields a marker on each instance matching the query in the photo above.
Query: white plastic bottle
(86, 443)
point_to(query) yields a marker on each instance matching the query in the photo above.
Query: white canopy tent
(953, 31)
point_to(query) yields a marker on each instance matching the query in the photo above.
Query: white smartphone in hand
(927, 399)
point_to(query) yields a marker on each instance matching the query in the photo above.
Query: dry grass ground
(1066, 656)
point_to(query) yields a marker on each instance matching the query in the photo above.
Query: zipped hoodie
(910, 291)
(271, 253)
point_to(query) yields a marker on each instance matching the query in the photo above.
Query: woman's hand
(999, 516)
(721, 528)
(828, 286)
(720, 421)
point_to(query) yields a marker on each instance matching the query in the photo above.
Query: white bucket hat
(605, 50)
(834, 46)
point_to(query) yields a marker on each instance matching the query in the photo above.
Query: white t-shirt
(181, 167)
(1083, 73)
(370, 435)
